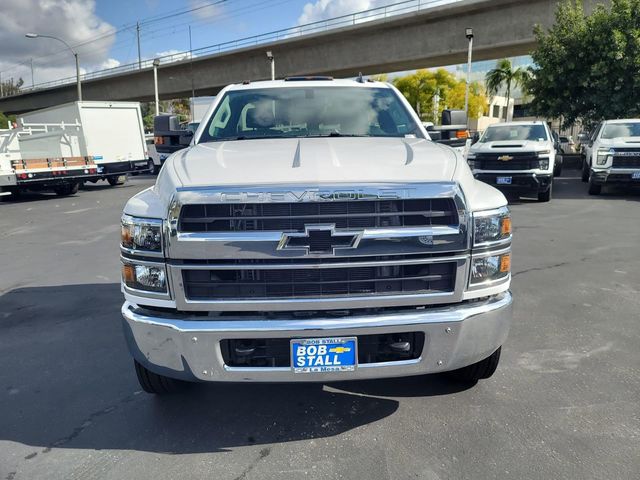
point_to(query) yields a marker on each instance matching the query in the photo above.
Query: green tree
(11, 87)
(5, 119)
(588, 68)
(507, 77)
(420, 89)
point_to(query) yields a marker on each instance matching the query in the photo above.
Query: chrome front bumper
(188, 347)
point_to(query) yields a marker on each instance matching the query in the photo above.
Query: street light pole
(156, 62)
(273, 64)
(75, 54)
(469, 35)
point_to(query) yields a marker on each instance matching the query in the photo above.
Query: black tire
(594, 188)
(152, 167)
(157, 384)
(585, 171)
(116, 180)
(546, 196)
(557, 170)
(67, 189)
(14, 191)
(478, 371)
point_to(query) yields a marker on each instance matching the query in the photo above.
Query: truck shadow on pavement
(68, 382)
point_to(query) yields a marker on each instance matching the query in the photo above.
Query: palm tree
(505, 74)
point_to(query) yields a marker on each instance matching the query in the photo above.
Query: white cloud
(324, 9)
(75, 21)
(176, 55)
(205, 9)
(109, 63)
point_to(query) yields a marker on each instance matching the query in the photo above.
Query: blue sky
(230, 20)
(104, 33)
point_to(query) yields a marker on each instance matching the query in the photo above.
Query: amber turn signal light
(505, 263)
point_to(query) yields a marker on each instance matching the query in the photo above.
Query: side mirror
(556, 145)
(475, 138)
(186, 137)
(435, 135)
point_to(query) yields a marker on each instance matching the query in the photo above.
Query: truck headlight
(544, 164)
(490, 268)
(491, 226)
(603, 156)
(150, 278)
(471, 160)
(143, 234)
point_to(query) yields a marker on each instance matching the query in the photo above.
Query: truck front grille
(256, 283)
(289, 217)
(519, 161)
(627, 161)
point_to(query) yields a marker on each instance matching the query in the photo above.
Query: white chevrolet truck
(313, 232)
(612, 155)
(519, 157)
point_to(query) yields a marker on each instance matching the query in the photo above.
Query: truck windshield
(503, 133)
(617, 130)
(309, 112)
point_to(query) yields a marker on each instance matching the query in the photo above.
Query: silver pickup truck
(313, 232)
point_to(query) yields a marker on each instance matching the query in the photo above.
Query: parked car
(612, 155)
(517, 156)
(313, 232)
(567, 145)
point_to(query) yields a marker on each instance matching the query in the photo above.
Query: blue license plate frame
(330, 355)
(504, 180)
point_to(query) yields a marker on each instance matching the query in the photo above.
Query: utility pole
(139, 55)
(193, 93)
(1, 86)
(32, 83)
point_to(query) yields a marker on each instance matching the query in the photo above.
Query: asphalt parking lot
(563, 403)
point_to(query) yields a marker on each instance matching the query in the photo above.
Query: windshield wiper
(337, 134)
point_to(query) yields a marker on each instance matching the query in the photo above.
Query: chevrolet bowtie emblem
(319, 239)
(505, 158)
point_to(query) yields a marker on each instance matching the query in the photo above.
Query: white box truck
(112, 133)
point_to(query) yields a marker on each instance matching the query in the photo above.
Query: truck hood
(510, 145)
(312, 161)
(621, 142)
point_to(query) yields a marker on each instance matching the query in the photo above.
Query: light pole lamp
(469, 35)
(156, 62)
(75, 54)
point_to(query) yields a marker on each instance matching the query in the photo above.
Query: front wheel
(546, 196)
(152, 167)
(116, 180)
(156, 384)
(594, 189)
(585, 171)
(478, 371)
(557, 170)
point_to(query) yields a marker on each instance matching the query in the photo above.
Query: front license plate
(503, 180)
(635, 176)
(319, 355)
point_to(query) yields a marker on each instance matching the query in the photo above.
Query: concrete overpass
(422, 39)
